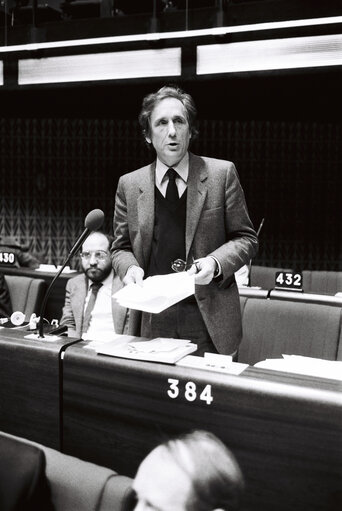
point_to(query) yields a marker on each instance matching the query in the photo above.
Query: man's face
(169, 131)
(160, 484)
(97, 264)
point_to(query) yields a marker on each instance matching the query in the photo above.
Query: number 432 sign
(289, 280)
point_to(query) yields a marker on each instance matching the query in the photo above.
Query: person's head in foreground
(195, 472)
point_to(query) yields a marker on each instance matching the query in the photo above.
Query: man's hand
(204, 270)
(134, 275)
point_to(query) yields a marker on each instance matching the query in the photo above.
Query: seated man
(23, 483)
(5, 300)
(90, 311)
(195, 472)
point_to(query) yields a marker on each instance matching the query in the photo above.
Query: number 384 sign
(289, 280)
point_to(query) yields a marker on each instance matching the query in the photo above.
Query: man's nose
(92, 259)
(172, 129)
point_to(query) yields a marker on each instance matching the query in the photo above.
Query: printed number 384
(190, 391)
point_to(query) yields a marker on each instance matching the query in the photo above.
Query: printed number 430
(190, 391)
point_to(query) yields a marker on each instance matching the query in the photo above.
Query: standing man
(89, 310)
(186, 207)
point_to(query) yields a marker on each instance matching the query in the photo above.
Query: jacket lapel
(196, 194)
(146, 209)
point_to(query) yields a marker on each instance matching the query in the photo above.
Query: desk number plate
(190, 391)
(293, 281)
(7, 258)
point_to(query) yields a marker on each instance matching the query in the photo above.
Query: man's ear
(148, 140)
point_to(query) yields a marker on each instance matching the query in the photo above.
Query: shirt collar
(182, 169)
(107, 282)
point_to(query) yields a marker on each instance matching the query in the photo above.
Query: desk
(30, 387)
(56, 299)
(285, 430)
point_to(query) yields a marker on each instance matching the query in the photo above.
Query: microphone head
(94, 220)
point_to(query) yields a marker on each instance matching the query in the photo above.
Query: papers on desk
(51, 268)
(213, 362)
(163, 350)
(157, 293)
(304, 365)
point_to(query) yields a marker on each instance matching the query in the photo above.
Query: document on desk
(161, 349)
(157, 293)
(304, 365)
(213, 362)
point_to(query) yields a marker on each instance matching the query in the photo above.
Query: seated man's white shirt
(101, 326)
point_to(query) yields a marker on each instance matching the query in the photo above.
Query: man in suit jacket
(205, 220)
(5, 299)
(94, 289)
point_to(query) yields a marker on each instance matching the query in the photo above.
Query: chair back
(26, 294)
(274, 327)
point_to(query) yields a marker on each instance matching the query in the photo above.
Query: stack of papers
(160, 349)
(157, 293)
(304, 365)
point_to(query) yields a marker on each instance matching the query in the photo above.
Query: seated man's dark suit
(5, 300)
(23, 484)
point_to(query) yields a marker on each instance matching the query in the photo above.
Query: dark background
(63, 148)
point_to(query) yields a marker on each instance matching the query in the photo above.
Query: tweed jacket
(75, 295)
(217, 224)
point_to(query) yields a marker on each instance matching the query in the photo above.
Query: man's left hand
(204, 270)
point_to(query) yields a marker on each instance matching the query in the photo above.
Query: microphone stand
(47, 294)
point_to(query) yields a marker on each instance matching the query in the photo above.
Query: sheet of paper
(304, 365)
(157, 293)
(209, 364)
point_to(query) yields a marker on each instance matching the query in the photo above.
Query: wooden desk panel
(286, 435)
(30, 387)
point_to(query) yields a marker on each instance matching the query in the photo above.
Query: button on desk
(284, 429)
(30, 387)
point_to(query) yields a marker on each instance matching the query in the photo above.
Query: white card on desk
(209, 365)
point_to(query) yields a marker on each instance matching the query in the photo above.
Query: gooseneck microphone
(93, 221)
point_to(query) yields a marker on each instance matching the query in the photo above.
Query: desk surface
(284, 429)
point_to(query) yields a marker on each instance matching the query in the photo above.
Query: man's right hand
(134, 275)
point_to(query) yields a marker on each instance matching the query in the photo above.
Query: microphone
(93, 221)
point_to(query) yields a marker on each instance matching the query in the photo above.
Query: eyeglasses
(100, 255)
(179, 265)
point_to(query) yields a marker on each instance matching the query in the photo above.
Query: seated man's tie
(95, 286)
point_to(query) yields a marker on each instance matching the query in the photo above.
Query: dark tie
(95, 286)
(171, 190)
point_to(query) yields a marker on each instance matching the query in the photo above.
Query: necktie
(171, 190)
(95, 286)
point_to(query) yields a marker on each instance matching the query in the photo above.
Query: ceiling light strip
(100, 66)
(274, 25)
(273, 54)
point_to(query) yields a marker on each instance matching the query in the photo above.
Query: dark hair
(168, 91)
(217, 480)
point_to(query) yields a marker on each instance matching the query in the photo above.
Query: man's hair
(168, 91)
(217, 480)
(109, 237)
